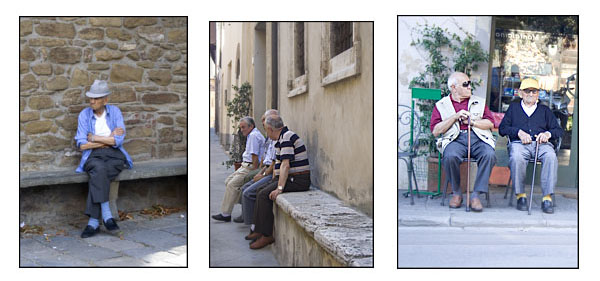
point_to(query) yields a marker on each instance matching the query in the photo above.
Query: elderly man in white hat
(526, 123)
(100, 135)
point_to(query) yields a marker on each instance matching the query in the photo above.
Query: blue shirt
(254, 142)
(269, 152)
(87, 124)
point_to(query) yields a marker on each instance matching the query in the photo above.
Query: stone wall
(144, 59)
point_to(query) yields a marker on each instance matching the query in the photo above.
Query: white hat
(98, 89)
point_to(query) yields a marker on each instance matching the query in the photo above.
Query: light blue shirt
(269, 152)
(87, 124)
(254, 145)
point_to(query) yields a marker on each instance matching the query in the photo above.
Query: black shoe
(220, 217)
(547, 207)
(89, 231)
(239, 219)
(522, 204)
(111, 225)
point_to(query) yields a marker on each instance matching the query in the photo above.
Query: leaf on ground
(159, 211)
(32, 229)
(125, 216)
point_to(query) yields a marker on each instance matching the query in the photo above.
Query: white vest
(446, 110)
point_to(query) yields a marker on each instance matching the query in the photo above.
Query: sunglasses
(530, 91)
(466, 84)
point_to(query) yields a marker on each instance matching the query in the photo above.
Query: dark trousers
(263, 208)
(457, 150)
(103, 166)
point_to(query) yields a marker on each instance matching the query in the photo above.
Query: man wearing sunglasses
(449, 123)
(526, 123)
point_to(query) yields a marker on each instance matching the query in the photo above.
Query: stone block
(52, 113)
(172, 56)
(68, 55)
(160, 98)
(181, 120)
(98, 45)
(77, 108)
(169, 135)
(135, 147)
(125, 73)
(22, 104)
(106, 55)
(69, 161)
(28, 82)
(25, 28)
(37, 127)
(134, 56)
(97, 66)
(56, 29)
(139, 132)
(128, 47)
(167, 120)
(122, 94)
(160, 77)
(72, 97)
(36, 158)
(27, 54)
(174, 21)
(106, 21)
(134, 22)
(80, 78)
(41, 102)
(177, 36)
(153, 34)
(165, 151)
(154, 54)
(48, 143)
(117, 33)
(91, 34)
(23, 67)
(47, 42)
(179, 79)
(145, 64)
(57, 83)
(180, 69)
(79, 43)
(112, 45)
(137, 108)
(29, 116)
(42, 69)
(58, 70)
(146, 88)
(69, 122)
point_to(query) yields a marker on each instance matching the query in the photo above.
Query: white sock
(226, 214)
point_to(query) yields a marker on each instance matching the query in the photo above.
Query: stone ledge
(341, 231)
(141, 170)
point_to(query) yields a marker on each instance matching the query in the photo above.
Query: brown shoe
(253, 236)
(456, 201)
(262, 242)
(476, 205)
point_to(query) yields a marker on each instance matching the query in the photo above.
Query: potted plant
(443, 48)
(238, 108)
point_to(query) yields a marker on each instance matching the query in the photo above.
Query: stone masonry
(144, 59)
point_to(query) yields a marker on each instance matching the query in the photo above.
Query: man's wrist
(280, 188)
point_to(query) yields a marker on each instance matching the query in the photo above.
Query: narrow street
(228, 248)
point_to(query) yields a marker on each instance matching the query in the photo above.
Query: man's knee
(488, 154)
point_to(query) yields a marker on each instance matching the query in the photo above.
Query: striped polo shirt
(290, 146)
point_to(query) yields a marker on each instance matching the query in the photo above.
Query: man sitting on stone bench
(100, 135)
(291, 174)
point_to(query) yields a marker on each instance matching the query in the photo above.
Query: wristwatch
(264, 173)
(280, 188)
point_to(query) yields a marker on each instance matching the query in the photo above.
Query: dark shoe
(522, 204)
(547, 207)
(476, 205)
(111, 225)
(239, 219)
(253, 236)
(455, 202)
(262, 242)
(89, 231)
(220, 217)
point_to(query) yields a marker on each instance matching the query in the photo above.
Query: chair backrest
(420, 94)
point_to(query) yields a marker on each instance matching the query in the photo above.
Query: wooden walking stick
(537, 145)
(468, 161)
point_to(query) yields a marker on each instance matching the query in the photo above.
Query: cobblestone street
(142, 241)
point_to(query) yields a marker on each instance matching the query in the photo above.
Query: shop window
(298, 84)
(340, 51)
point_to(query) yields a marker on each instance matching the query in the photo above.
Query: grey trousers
(519, 158)
(457, 150)
(103, 166)
(249, 191)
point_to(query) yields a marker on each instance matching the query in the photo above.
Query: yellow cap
(529, 83)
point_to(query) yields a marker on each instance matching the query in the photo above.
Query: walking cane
(469, 157)
(537, 145)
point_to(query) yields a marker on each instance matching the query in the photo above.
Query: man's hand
(117, 132)
(89, 137)
(462, 116)
(542, 137)
(274, 193)
(257, 177)
(525, 137)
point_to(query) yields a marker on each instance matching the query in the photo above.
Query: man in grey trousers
(449, 124)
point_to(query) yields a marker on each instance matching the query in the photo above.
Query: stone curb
(460, 221)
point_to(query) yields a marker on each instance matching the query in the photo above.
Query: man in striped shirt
(291, 174)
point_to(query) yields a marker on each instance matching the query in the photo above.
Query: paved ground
(144, 241)
(227, 245)
(431, 235)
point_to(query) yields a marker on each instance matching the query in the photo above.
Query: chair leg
(410, 191)
(487, 198)
(416, 184)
